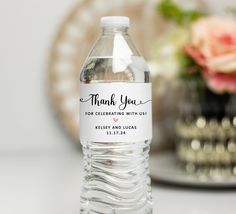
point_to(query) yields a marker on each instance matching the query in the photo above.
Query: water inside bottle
(116, 174)
(108, 69)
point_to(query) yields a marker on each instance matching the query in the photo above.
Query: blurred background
(42, 47)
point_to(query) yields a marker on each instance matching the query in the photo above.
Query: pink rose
(221, 82)
(213, 46)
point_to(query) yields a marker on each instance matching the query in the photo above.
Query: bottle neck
(114, 30)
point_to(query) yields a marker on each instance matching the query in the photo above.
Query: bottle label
(115, 112)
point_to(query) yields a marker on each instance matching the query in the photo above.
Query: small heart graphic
(115, 119)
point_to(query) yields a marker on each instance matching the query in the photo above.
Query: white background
(40, 171)
(27, 29)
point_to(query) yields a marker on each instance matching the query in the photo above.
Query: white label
(115, 112)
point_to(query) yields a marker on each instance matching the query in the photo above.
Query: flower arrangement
(205, 47)
(200, 50)
(213, 48)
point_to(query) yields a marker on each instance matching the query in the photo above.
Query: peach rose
(213, 46)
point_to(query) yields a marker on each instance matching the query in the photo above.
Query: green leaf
(231, 10)
(173, 12)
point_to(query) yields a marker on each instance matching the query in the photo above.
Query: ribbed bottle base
(116, 178)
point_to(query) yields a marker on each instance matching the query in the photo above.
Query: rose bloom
(213, 46)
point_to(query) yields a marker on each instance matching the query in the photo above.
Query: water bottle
(115, 124)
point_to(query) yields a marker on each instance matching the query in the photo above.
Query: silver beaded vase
(206, 130)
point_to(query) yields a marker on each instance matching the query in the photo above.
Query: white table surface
(50, 183)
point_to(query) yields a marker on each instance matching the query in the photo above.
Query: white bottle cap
(114, 21)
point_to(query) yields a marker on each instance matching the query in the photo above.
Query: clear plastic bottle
(115, 121)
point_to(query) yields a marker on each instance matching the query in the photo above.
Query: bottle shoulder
(117, 45)
(115, 58)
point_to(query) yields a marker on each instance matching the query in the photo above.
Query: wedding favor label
(115, 112)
